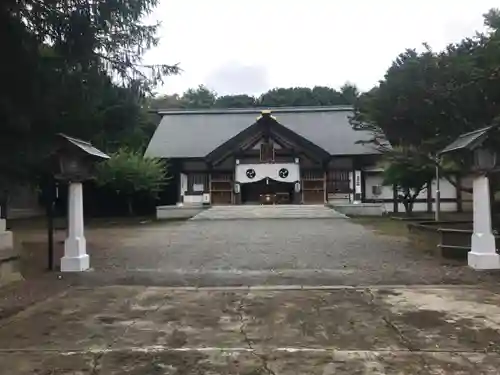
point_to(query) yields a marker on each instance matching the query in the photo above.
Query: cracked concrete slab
(46, 363)
(440, 318)
(340, 319)
(189, 319)
(82, 319)
(148, 330)
(230, 362)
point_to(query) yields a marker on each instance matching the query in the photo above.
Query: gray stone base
(9, 259)
(6, 241)
(75, 264)
(481, 261)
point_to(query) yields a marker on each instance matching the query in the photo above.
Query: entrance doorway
(267, 191)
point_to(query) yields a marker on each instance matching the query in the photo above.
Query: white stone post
(3, 225)
(6, 240)
(483, 254)
(75, 247)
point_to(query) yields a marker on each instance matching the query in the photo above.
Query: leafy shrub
(129, 173)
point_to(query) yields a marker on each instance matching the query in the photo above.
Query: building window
(266, 152)
(312, 175)
(197, 182)
(376, 190)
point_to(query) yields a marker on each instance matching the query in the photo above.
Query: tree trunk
(408, 203)
(130, 206)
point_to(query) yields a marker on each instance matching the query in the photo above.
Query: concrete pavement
(149, 330)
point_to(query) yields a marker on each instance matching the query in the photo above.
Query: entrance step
(269, 212)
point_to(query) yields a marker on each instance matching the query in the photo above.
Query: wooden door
(221, 188)
(313, 187)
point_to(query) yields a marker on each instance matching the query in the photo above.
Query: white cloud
(251, 46)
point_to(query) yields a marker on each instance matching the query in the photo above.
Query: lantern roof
(85, 146)
(468, 141)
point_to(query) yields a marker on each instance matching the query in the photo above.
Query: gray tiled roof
(184, 134)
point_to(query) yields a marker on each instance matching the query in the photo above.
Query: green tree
(326, 96)
(428, 98)
(350, 93)
(201, 97)
(235, 101)
(74, 66)
(164, 102)
(204, 98)
(301, 96)
(409, 175)
(128, 173)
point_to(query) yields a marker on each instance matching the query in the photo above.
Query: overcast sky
(243, 46)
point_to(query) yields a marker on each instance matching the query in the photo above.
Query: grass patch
(383, 225)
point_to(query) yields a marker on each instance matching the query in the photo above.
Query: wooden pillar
(459, 193)
(325, 184)
(363, 186)
(209, 179)
(179, 190)
(325, 193)
(209, 187)
(236, 195)
(232, 187)
(297, 196)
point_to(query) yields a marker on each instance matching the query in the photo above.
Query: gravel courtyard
(272, 252)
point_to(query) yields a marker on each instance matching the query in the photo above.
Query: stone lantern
(478, 148)
(484, 159)
(74, 162)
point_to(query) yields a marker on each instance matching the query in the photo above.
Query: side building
(303, 155)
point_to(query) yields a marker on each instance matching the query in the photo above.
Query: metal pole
(437, 210)
(50, 235)
(51, 195)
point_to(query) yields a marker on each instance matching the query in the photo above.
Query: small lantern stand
(74, 162)
(479, 148)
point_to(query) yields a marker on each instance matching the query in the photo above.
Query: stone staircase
(268, 212)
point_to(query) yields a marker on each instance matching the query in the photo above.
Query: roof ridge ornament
(266, 113)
